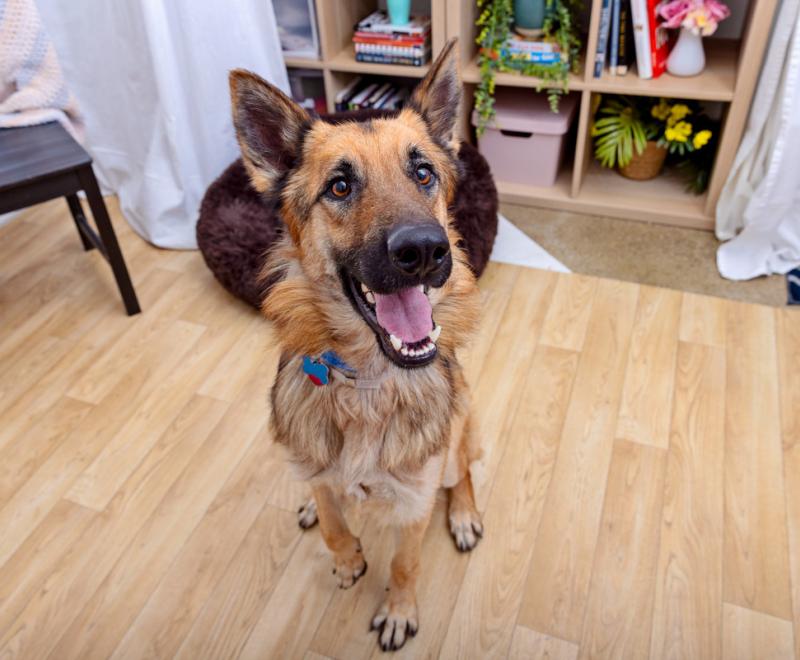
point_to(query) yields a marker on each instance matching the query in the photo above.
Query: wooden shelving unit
(730, 77)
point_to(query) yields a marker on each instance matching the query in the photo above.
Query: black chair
(42, 162)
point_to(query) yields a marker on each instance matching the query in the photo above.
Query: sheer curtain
(759, 209)
(150, 77)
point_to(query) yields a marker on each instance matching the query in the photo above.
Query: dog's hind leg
(463, 517)
(396, 621)
(307, 514)
(348, 558)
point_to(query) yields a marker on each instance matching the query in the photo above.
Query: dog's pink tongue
(405, 314)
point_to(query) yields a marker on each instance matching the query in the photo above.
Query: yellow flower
(679, 133)
(660, 111)
(679, 111)
(701, 139)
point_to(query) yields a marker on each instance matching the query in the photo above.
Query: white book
(362, 96)
(345, 94)
(641, 38)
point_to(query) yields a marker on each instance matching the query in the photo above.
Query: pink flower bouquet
(699, 16)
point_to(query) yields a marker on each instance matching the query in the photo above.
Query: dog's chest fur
(386, 445)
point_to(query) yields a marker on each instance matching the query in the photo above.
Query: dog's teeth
(364, 288)
(434, 334)
(370, 297)
(397, 343)
(404, 351)
(421, 287)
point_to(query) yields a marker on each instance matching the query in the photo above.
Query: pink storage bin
(524, 143)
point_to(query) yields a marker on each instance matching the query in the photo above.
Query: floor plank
(560, 570)
(171, 609)
(31, 502)
(483, 621)
(747, 635)
(568, 317)
(688, 595)
(81, 569)
(505, 366)
(703, 320)
(624, 571)
(647, 395)
(756, 573)
(232, 608)
(531, 645)
(788, 332)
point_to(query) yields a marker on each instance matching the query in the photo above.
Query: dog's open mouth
(402, 320)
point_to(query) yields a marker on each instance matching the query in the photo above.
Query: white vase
(687, 57)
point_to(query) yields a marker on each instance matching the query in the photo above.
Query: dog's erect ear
(269, 127)
(438, 96)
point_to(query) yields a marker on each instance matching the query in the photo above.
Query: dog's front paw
(307, 514)
(396, 622)
(348, 567)
(466, 528)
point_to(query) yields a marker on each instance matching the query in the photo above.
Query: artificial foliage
(494, 23)
(623, 125)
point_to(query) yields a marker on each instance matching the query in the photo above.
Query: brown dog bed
(237, 225)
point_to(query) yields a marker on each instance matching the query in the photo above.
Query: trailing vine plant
(494, 23)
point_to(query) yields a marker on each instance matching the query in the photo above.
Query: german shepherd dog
(373, 301)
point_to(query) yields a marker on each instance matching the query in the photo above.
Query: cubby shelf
(604, 192)
(730, 77)
(716, 83)
(303, 63)
(471, 74)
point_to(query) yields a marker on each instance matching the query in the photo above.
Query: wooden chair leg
(80, 219)
(109, 238)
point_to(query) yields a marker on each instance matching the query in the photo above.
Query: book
(613, 48)
(377, 58)
(659, 40)
(534, 58)
(378, 21)
(361, 96)
(517, 42)
(602, 38)
(359, 38)
(341, 99)
(625, 39)
(375, 49)
(641, 38)
(377, 94)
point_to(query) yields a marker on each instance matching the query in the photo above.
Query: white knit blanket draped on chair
(32, 89)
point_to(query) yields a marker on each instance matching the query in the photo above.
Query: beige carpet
(659, 255)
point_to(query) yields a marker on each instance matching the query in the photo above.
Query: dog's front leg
(348, 558)
(396, 620)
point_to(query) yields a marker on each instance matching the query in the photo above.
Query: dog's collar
(320, 369)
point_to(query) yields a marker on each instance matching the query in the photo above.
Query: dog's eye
(340, 188)
(424, 176)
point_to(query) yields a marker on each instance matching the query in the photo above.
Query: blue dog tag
(316, 371)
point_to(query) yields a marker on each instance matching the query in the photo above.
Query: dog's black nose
(419, 249)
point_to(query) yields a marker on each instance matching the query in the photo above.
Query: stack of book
(531, 51)
(377, 41)
(626, 25)
(365, 92)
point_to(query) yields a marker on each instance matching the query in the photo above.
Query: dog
(373, 299)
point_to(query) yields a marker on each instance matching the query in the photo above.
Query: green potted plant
(635, 134)
(560, 26)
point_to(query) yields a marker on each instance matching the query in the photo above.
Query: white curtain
(151, 78)
(759, 209)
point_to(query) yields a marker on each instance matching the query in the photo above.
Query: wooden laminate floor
(641, 489)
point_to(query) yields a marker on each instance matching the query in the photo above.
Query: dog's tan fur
(391, 447)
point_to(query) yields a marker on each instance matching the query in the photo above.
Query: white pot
(687, 57)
